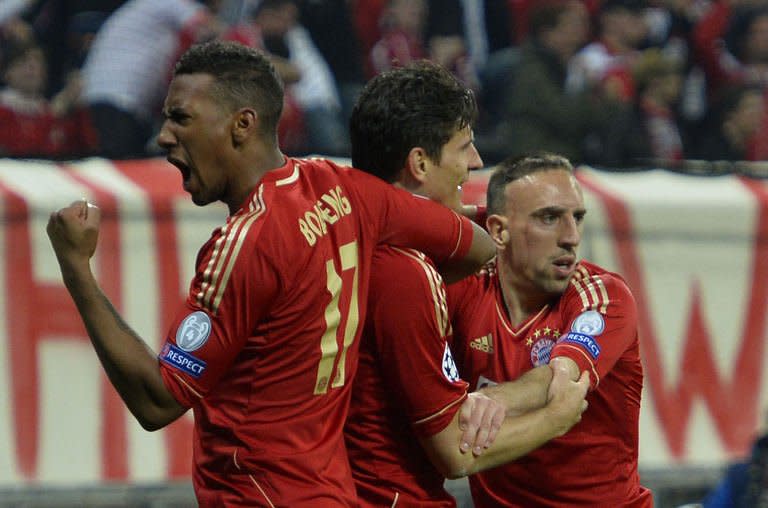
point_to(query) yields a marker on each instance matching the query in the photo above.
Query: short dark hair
(545, 16)
(243, 77)
(421, 104)
(514, 168)
(635, 6)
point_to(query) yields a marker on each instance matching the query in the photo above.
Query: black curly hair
(419, 105)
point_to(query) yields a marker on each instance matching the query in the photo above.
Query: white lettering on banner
(70, 394)
(27, 334)
(687, 283)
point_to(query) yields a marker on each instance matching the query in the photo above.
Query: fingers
(483, 431)
(495, 419)
(465, 417)
(480, 421)
(584, 380)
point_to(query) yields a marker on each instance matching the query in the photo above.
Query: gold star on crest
(537, 333)
(547, 330)
(529, 342)
(557, 333)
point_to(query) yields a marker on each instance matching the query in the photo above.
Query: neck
(252, 167)
(520, 303)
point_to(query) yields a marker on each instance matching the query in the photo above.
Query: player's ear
(245, 122)
(416, 164)
(497, 228)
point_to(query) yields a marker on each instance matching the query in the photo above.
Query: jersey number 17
(329, 343)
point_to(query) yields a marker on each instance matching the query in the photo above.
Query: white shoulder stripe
(289, 179)
(436, 287)
(225, 253)
(593, 293)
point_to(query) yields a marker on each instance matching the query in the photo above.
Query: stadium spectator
(446, 38)
(129, 65)
(31, 125)
(413, 128)
(315, 91)
(331, 25)
(265, 347)
(402, 35)
(62, 27)
(366, 17)
(607, 61)
(745, 482)
(659, 81)
(732, 126)
(540, 112)
(539, 304)
(481, 33)
(265, 29)
(730, 43)
(482, 27)
(650, 133)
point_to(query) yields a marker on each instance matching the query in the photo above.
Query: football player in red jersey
(412, 127)
(265, 346)
(538, 304)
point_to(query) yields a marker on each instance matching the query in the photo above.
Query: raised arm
(130, 364)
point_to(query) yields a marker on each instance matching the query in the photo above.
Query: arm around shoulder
(481, 250)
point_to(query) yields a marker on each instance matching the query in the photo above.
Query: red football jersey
(407, 384)
(265, 347)
(594, 323)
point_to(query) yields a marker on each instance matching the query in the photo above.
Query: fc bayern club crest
(541, 350)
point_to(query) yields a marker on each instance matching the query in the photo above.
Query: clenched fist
(74, 232)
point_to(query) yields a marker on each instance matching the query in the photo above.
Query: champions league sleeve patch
(583, 331)
(450, 371)
(590, 323)
(192, 333)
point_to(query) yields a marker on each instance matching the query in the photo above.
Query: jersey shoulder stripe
(591, 289)
(436, 286)
(225, 252)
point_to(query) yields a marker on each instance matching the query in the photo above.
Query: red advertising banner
(694, 251)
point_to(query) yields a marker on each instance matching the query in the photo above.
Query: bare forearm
(518, 436)
(129, 363)
(526, 393)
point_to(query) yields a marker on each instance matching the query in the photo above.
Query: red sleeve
(708, 45)
(481, 215)
(406, 220)
(409, 316)
(602, 323)
(221, 310)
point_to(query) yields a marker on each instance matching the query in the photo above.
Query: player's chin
(556, 285)
(200, 198)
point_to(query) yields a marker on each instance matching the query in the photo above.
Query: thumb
(584, 380)
(92, 214)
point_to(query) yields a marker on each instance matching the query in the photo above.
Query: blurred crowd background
(614, 83)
